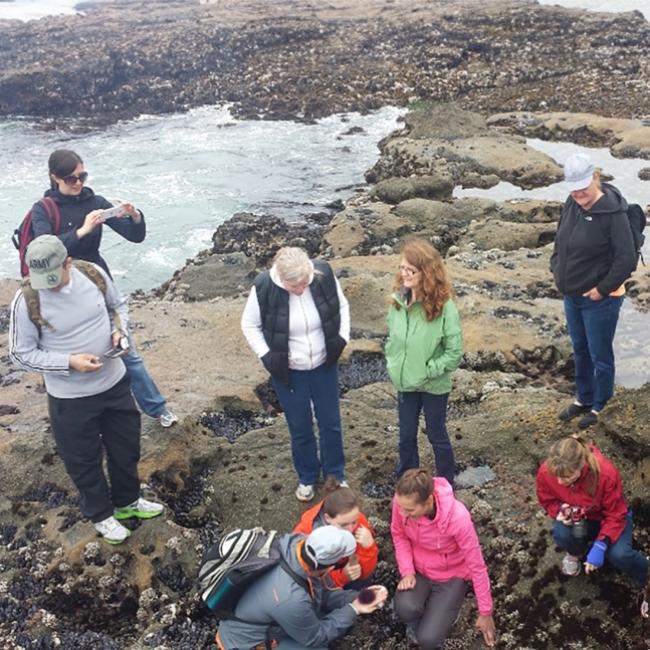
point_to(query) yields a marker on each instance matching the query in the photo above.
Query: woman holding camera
(424, 346)
(70, 210)
(81, 211)
(581, 490)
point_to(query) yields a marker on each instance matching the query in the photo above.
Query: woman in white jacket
(297, 321)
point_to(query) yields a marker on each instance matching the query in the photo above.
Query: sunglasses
(71, 179)
(407, 271)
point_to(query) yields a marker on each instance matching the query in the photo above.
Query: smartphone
(116, 211)
(119, 350)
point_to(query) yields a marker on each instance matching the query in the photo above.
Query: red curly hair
(434, 287)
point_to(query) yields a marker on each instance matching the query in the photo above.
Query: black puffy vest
(274, 310)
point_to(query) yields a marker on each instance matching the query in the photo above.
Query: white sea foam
(188, 173)
(34, 9)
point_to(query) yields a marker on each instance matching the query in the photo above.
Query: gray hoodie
(278, 601)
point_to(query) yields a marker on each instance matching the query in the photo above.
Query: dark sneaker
(573, 411)
(588, 420)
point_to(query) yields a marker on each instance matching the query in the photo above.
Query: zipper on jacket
(566, 249)
(304, 315)
(401, 370)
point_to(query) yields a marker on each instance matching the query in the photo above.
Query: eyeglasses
(409, 272)
(71, 179)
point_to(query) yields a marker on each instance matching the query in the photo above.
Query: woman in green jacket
(424, 346)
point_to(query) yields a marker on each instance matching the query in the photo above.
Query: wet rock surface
(626, 138)
(305, 60)
(228, 464)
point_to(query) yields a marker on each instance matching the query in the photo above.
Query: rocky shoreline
(303, 60)
(227, 464)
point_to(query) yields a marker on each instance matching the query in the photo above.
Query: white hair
(293, 265)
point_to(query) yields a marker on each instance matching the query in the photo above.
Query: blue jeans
(620, 554)
(409, 406)
(143, 387)
(319, 387)
(592, 325)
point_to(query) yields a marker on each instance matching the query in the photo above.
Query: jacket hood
(85, 194)
(402, 296)
(288, 545)
(611, 202)
(444, 496)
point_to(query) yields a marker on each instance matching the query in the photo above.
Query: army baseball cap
(45, 256)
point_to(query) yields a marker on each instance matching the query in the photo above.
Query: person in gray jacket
(277, 611)
(63, 329)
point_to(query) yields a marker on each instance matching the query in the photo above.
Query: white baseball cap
(326, 545)
(578, 172)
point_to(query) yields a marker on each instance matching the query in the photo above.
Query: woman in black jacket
(593, 256)
(82, 210)
(82, 217)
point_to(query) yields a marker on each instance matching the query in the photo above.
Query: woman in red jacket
(340, 508)
(582, 491)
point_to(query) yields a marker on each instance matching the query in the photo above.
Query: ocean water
(604, 5)
(624, 170)
(188, 173)
(33, 9)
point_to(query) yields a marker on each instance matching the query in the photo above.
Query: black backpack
(637, 219)
(234, 562)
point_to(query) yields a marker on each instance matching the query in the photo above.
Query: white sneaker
(304, 492)
(570, 565)
(167, 418)
(344, 484)
(112, 530)
(142, 509)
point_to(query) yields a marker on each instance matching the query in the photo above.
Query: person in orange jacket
(340, 508)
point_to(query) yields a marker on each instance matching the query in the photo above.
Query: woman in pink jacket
(437, 552)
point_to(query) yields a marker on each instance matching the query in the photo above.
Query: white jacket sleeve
(251, 325)
(24, 343)
(344, 330)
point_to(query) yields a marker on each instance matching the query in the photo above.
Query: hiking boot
(573, 411)
(588, 420)
(570, 565)
(112, 530)
(142, 509)
(167, 418)
(304, 492)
